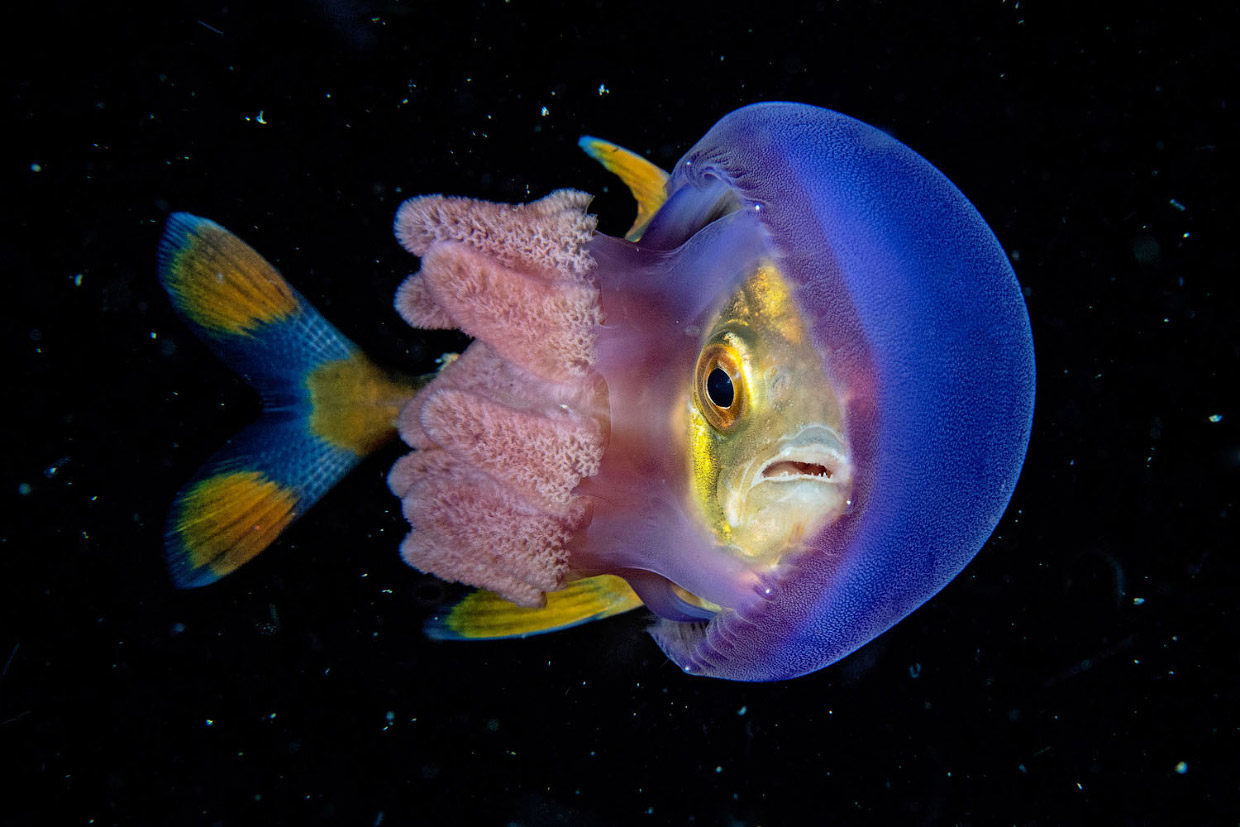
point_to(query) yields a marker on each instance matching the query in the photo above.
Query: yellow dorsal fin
(646, 181)
(484, 615)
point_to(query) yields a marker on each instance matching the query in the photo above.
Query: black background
(1089, 649)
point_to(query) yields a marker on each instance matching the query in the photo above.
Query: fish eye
(720, 385)
(719, 388)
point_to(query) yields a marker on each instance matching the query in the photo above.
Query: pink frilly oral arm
(506, 432)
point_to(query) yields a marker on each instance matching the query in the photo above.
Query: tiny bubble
(24, 489)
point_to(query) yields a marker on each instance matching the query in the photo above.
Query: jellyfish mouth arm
(505, 433)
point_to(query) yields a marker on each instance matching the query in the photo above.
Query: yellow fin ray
(646, 181)
(218, 281)
(483, 615)
(225, 520)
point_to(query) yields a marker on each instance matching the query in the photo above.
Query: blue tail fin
(325, 405)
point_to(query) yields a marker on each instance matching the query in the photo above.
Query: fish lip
(815, 454)
(813, 445)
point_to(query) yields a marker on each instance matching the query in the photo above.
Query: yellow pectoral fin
(646, 181)
(483, 615)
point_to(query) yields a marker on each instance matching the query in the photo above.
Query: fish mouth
(791, 469)
(804, 484)
(815, 454)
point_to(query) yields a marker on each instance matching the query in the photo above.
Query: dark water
(1084, 667)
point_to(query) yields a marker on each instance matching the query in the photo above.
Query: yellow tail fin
(325, 404)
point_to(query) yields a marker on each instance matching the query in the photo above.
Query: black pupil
(719, 388)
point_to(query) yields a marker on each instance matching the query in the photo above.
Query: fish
(781, 413)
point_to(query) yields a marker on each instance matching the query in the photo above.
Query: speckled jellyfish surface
(787, 414)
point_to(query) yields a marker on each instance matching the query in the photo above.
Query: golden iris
(720, 385)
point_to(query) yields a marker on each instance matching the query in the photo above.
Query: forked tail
(325, 405)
